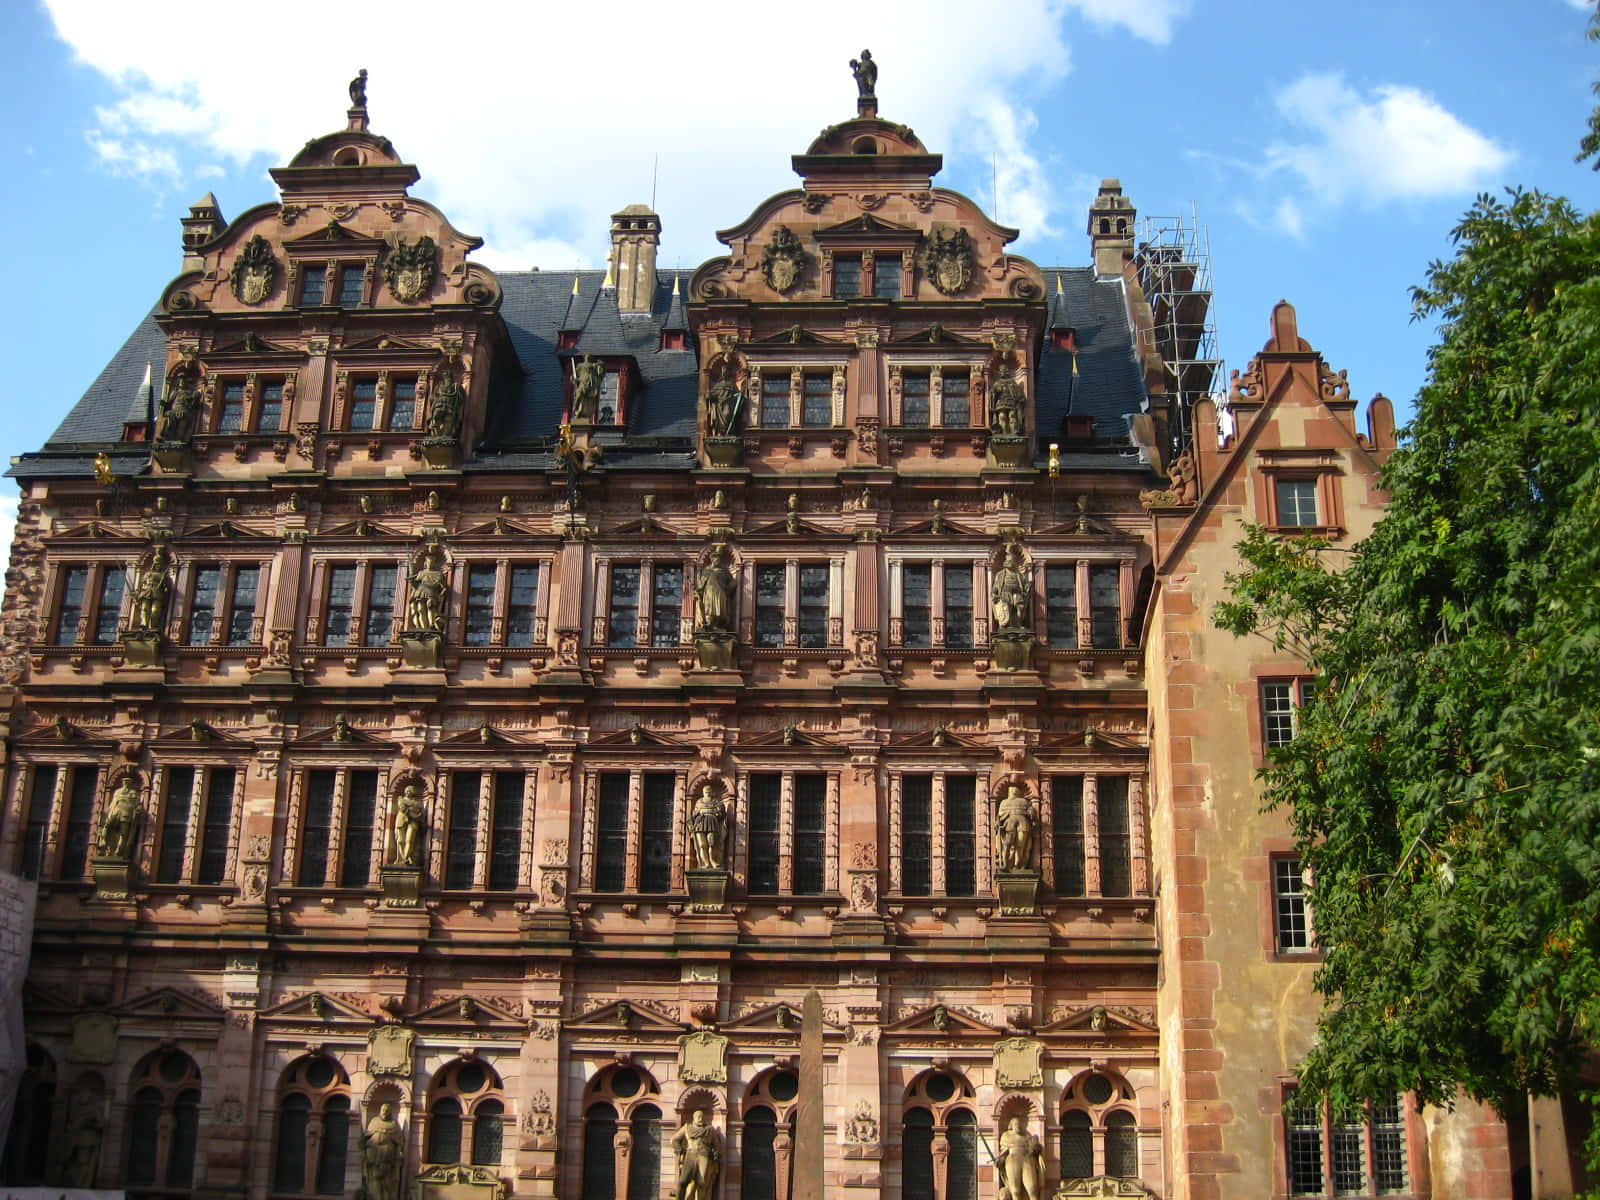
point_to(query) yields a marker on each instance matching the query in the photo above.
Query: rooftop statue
(358, 89)
(866, 73)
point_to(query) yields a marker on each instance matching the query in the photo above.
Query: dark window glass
(1067, 820)
(916, 1144)
(313, 284)
(335, 1145)
(380, 606)
(1105, 607)
(611, 834)
(962, 1178)
(505, 834)
(1389, 1145)
(444, 1131)
(242, 610)
(961, 835)
(1297, 502)
(80, 822)
(203, 609)
(1289, 905)
(363, 404)
(360, 817)
(289, 1164)
(402, 403)
(655, 855)
(886, 277)
(956, 409)
(1112, 802)
(112, 580)
(624, 604)
(230, 417)
(760, 1161)
(644, 1171)
(341, 603)
(462, 840)
(144, 1125)
(185, 1139)
(610, 398)
(916, 609)
(1277, 712)
(914, 399)
(1348, 1154)
(213, 863)
(814, 586)
(765, 804)
(41, 799)
(487, 1121)
(1077, 1145)
(317, 828)
(666, 613)
(916, 835)
(846, 276)
(816, 409)
(270, 415)
(175, 824)
(1122, 1146)
(810, 805)
(479, 628)
(523, 607)
(771, 582)
(1061, 606)
(599, 1153)
(958, 606)
(352, 281)
(774, 401)
(74, 581)
(1305, 1150)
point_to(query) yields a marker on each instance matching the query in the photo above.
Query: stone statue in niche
(410, 269)
(698, 1149)
(1014, 826)
(152, 590)
(121, 820)
(783, 260)
(447, 406)
(85, 1127)
(587, 375)
(254, 271)
(1007, 403)
(713, 591)
(724, 397)
(409, 816)
(180, 405)
(427, 591)
(947, 259)
(708, 830)
(866, 73)
(1010, 595)
(383, 1153)
(1020, 1162)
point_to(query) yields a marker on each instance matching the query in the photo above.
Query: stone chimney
(635, 235)
(202, 224)
(1111, 221)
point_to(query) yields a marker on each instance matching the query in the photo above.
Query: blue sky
(1327, 148)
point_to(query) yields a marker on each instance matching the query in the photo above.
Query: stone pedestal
(141, 648)
(402, 886)
(113, 878)
(1012, 650)
(708, 890)
(724, 451)
(172, 457)
(420, 650)
(1019, 893)
(714, 649)
(441, 454)
(1009, 450)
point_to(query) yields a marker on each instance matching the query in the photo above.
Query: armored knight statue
(708, 830)
(121, 820)
(699, 1153)
(1014, 826)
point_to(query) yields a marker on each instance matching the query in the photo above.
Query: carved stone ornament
(1103, 1185)
(457, 1181)
(1018, 1063)
(389, 1050)
(783, 260)
(254, 271)
(947, 259)
(94, 1038)
(410, 268)
(703, 1057)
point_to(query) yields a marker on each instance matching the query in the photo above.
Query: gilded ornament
(254, 271)
(410, 268)
(783, 260)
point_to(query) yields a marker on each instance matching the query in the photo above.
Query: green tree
(1444, 784)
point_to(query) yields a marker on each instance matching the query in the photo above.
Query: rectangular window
(380, 605)
(1115, 847)
(816, 410)
(960, 835)
(1277, 712)
(313, 284)
(958, 606)
(814, 589)
(175, 824)
(523, 606)
(1105, 607)
(505, 831)
(810, 834)
(363, 404)
(846, 276)
(212, 867)
(1291, 929)
(917, 609)
(341, 606)
(775, 401)
(771, 583)
(109, 609)
(915, 393)
(956, 408)
(203, 603)
(886, 277)
(80, 822)
(74, 583)
(360, 823)
(765, 808)
(316, 829)
(1304, 1130)
(1366, 1152)
(479, 625)
(1067, 826)
(655, 852)
(402, 404)
(1061, 605)
(270, 415)
(41, 799)
(611, 833)
(1297, 502)
(352, 286)
(666, 609)
(1389, 1145)
(461, 841)
(1348, 1154)
(916, 835)
(624, 609)
(242, 609)
(230, 416)
(610, 398)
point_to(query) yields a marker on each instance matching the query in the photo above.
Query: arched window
(767, 1140)
(1122, 1145)
(466, 1115)
(164, 1122)
(644, 1169)
(756, 1152)
(939, 1125)
(313, 1129)
(28, 1144)
(1099, 1129)
(1077, 1145)
(916, 1167)
(621, 1095)
(488, 1120)
(961, 1178)
(444, 1131)
(599, 1152)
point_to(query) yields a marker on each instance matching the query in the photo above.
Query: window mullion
(786, 834)
(500, 606)
(937, 829)
(791, 602)
(936, 614)
(483, 834)
(191, 833)
(1091, 835)
(341, 797)
(896, 838)
(635, 830)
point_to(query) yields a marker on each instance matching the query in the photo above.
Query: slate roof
(525, 403)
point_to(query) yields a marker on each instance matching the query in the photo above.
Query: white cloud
(536, 134)
(1288, 217)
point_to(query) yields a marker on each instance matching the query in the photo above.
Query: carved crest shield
(410, 269)
(947, 259)
(254, 270)
(783, 260)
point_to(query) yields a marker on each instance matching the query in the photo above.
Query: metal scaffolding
(1173, 259)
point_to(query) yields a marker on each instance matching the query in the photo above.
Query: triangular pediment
(1091, 738)
(483, 735)
(42, 998)
(93, 530)
(62, 732)
(942, 1020)
(939, 738)
(366, 529)
(785, 739)
(936, 335)
(866, 223)
(471, 1010)
(618, 1015)
(168, 1003)
(1101, 1019)
(796, 335)
(200, 732)
(780, 1018)
(251, 343)
(945, 529)
(636, 736)
(229, 531)
(498, 528)
(317, 1006)
(338, 734)
(388, 344)
(332, 236)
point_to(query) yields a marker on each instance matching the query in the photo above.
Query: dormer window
(610, 396)
(673, 339)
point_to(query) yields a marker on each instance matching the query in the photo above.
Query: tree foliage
(1444, 782)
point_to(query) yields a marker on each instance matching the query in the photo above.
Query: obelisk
(808, 1148)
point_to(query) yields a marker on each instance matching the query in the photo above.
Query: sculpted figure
(408, 817)
(1006, 403)
(1015, 830)
(699, 1158)
(426, 595)
(1010, 594)
(149, 610)
(83, 1146)
(866, 73)
(723, 399)
(713, 590)
(358, 89)
(586, 378)
(1020, 1162)
(179, 407)
(121, 820)
(708, 828)
(446, 407)
(383, 1153)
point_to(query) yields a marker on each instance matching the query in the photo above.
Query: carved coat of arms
(947, 259)
(410, 268)
(783, 260)
(254, 270)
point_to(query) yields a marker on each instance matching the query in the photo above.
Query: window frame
(91, 606)
(294, 1081)
(225, 606)
(648, 610)
(198, 823)
(48, 824)
(1123, 1100)
(931, 372)
(625, 1108)
(938, 1124)
(445, 1087)
(794, 609)
(336, 864)
(1091, 619)
(1321, 468)
(901, 628)
(633, 834)
(1404, 1129)
(762, 391)
(487, 825)
(786, 836)
(164, 1146)
(1086, 848)
(938, 833)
